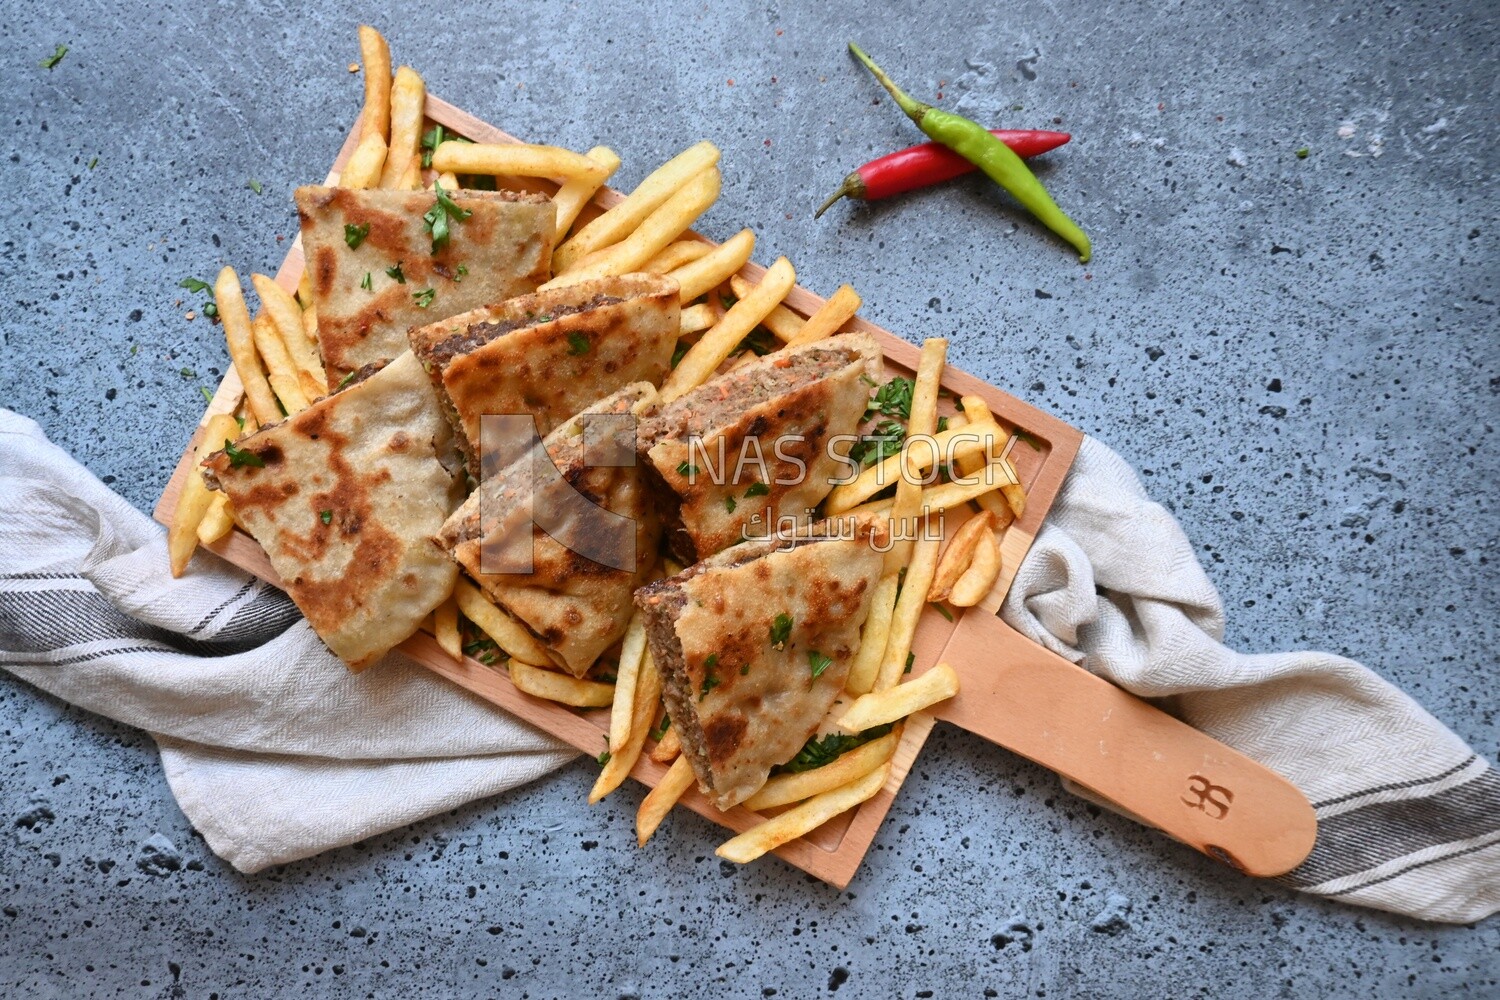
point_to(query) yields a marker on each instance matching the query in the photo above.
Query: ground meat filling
(479, 334)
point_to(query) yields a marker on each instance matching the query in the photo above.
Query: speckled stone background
(1299, 354)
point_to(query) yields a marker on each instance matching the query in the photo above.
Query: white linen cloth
(276, 752)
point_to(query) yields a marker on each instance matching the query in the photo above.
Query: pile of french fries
(276, 358)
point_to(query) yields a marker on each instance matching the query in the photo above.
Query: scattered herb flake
(436, 218)
(729, 504)
(211, 308)
(430, 141)
(603, 758)
(366, 283)
(759, 341)
(709, 680)
(757, 490)
(424, 297)
(942, 424)
(206, 394)
(878, 445)
(344, 381)
(578, 343)
(460, 274)
(394, 271)
(825, 749)
(911, 658)
(355, 235)
(55, 58)
(1025, 437)
(867, 380)
(781, 630)
(93, 163)
(1303, 153)
(678, 352)
(187, 373)
(818, 662)
(326, 516)
(944, 612)
(745, 670)
(195, 286)
(892, 399)
(254, 185)
(684, 469)
(240, 457)
(660, 731)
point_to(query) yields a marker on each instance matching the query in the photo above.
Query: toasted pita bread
(753, 451)
(503, 249)
(552, 353)
(561, 538)
(345, 497)
(742, 693)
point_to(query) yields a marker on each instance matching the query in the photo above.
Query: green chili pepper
(1000, 163)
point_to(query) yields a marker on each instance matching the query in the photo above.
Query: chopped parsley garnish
(603, 758)
(484, 650)
(210, 308)
(1303, 153)
(1023, 436)
(254, 185)
(660, 731)
(678, 352)
(344, 381)
(745, 670)
(195, 286)
(820, 750)
(729, 504)
(760, 340)
(206, 394)
(394, 271)
(438, 215)
(355, 235)
(878, 445)
(460, 274)
(578, 343)
(366, 283)
(911, 658)
(757, 490)
(944, 612)
(781, 630)
(684, 469)
(55, 58)
(818, 662)
(942, 424)
(239, 456)
(709, 680)
(867, 380)
(435, 137)
(892, 399)
(544, 318)
(424, 297)
(93, 163)
(326, 517)
(188, 373)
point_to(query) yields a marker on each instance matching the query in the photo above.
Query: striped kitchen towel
(1408, 815)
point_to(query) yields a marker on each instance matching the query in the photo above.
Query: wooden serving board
(1014, 692)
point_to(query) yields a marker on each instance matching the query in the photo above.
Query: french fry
(626, 217)
(508, 635)
(284, 312)
(408, 101)
(411, 178)
(674, 255)
(975, 583)
(660, 228)
(365, 165)
(617, 768)
(375, 56)
(217, 522)
(195, 499)
(310, 328)
(621, 713)
(1014, 493)
(714, 268)
(577, 191)
(668, 747)
(698, 364)
(938, 684)
(230, 298)
(781, 321)
(944, 496)
(539, 682)
(656, 805)
(996, 505)
(955, 442)
(976, 409)
(958, 554)
(909, 607)
(698, 317)
(838, 310)
(874, 636)
(923, 420)
(280, 372)
(784, 789)
(445, 629)
(802, 819)
(516, 159)
(447, 180)
(305, 288)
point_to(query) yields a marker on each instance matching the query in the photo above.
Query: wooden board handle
(1168, 774)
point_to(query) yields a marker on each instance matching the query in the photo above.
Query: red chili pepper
(931, 163)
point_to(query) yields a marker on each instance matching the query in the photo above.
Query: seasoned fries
(626, 217)
(365, 165)
(875, 635)
(698, 365)
(955, 442)
(655, 806)
(194, 500)
(617, 767)
(977, 410)
(714, 268)
(971, 464)
(287, 316)
(375, 56)
(660, 228)
(540, 682)
(217, 522)
(923, 420)
(668, 747)
(909, 608)
(577, 191)
(833, 314)
(445, 629)
(516, 159)
(237, 330)
(698, 317)
(408, 101)
(803, 819)
(958, 555)
(781, 321)
(622, 712)
(280, 372)
(508, 635)
(938, 684)
(674, 255)
(945, 496)
(784, 789)
(981, 575)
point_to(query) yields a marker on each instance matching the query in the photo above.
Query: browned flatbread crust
(345, 505)
(740, 705)
(791, 409)
(551, 353)
(504, 248)
(576, 607)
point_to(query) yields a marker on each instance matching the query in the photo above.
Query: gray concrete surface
(1300, 355)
